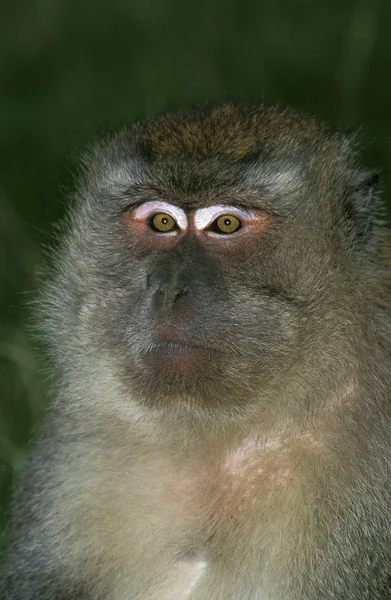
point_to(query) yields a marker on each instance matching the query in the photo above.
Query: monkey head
(202, 249)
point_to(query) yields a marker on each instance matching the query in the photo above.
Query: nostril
(150, 281)
(182, 292)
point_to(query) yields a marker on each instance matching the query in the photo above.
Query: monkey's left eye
(226, 224)
(162, 222)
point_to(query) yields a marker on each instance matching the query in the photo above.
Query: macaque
(219, 324)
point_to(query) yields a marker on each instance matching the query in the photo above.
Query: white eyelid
(148, 209)
(204, 217)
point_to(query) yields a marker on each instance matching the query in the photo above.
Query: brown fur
(234, 131)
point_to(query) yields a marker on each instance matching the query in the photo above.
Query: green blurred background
(72, 69)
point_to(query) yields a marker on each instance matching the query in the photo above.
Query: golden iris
(162, 222)
(227, 224)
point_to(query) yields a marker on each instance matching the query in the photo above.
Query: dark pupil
(227, 222)
(164, 220)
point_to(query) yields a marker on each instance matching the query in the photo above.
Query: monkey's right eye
(163, 223)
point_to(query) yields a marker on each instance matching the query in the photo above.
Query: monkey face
(199, 313)
(189, 254)
(197, 331)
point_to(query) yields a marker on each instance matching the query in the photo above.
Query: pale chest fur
(180, 522)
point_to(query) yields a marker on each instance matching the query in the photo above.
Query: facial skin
(191, 340)
(219, 323)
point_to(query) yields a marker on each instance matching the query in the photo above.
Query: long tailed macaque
(219, 320)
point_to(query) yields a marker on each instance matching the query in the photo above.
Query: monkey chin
(171, 371)
(198, 381)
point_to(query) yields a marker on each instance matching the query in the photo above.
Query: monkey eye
(160, 217)
(222, 220)
(226, 224)
(163, 223)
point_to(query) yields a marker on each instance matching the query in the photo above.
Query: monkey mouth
(178, 359)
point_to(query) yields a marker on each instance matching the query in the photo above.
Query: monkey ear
(361, 207)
